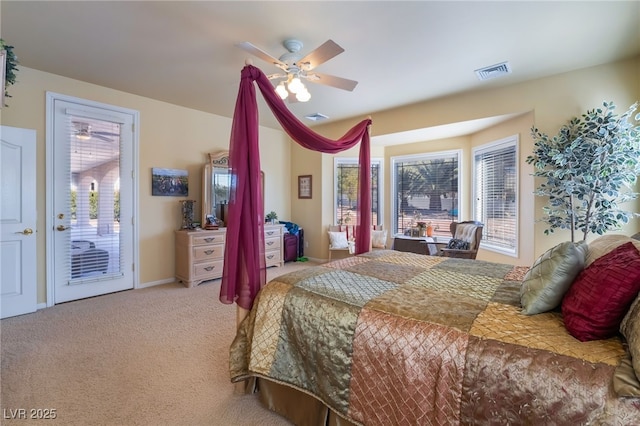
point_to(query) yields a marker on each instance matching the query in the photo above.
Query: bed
(395, 338)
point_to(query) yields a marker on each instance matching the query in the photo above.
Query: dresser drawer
(208, 252)
(208, 269)
(272, 243)
(272, 258)
(217, 238)
(272, 232)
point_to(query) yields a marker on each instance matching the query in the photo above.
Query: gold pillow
(606, 243)
(630, 329)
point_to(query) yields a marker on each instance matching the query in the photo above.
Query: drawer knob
(209, 268)
(209, 239)
(269, 243)
(270, 256)
(269, 233)
(209, 251)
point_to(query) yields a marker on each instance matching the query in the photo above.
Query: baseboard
(159, 282)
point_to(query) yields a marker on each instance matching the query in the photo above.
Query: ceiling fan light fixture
(282, 91)
(295, 85)
(83, 135)
(303, 95)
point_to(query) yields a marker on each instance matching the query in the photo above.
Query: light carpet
(154, 356)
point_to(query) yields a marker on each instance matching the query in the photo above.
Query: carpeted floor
(154, 356)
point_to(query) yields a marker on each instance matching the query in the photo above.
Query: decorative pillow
(379, 239)
(458, 244)
(338, 240)
(625, 381)
(598, 300)
(604, 244)
(550, 277)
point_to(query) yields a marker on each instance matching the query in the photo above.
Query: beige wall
(170, 136)
(177, 137)
(548, 104)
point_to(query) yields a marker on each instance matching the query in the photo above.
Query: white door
(18, 293)
(92, 199)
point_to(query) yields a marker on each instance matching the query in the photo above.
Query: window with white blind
(346, 172)
(425, 189)
(495, 194)
(94, 198)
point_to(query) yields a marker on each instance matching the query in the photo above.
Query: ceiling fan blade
(102, 138)
(275, 76)
(322, 54)
(331, 80)
(248, 47)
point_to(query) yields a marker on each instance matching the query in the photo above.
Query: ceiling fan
(297, 67)
(84, 132)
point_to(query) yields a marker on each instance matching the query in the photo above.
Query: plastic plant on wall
(10, 66)
(589, 168)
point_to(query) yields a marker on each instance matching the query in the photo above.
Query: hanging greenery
(11, 66)
(589, 167)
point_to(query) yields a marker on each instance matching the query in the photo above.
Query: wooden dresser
(200, 254)
(273, 245)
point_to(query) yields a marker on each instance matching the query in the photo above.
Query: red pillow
(601, 295)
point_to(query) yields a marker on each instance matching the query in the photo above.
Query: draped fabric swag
(244, 271)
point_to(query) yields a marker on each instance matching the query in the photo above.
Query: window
(346, 190)
(425, 189)
(495, 194)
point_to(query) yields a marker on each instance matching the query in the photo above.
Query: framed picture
(169, 182)
(304, 186)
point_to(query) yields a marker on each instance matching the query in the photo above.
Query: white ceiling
(184, 53)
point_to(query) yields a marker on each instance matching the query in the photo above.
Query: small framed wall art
(169, 182)
(304, 186)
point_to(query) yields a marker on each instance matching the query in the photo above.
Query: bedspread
(397, 338)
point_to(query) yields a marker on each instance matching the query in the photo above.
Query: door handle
(27, 231)
(62, 228)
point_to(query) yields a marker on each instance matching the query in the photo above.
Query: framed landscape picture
(169, 182)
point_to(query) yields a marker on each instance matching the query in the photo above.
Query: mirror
(216, 184)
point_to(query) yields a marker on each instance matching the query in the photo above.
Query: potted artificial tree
(589, 168)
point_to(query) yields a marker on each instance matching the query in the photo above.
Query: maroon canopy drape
(244, 271)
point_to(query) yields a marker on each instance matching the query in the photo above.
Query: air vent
(497, 70)
(316, 116)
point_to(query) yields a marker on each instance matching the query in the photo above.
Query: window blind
(425, 190)
(93, 199)
(495, 194)
(346, 190)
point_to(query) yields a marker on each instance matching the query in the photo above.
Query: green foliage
(271, 215)
(11, 66)
(589, 167)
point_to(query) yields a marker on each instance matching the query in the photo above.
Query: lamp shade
(295, 85)
(282, 91)
(303, 95)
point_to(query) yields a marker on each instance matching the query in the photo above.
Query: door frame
(50, 167)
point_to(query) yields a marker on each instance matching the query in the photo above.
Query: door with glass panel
(92, 200)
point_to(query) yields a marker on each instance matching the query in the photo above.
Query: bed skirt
(296, 406)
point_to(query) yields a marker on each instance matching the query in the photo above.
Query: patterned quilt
(393, 338)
